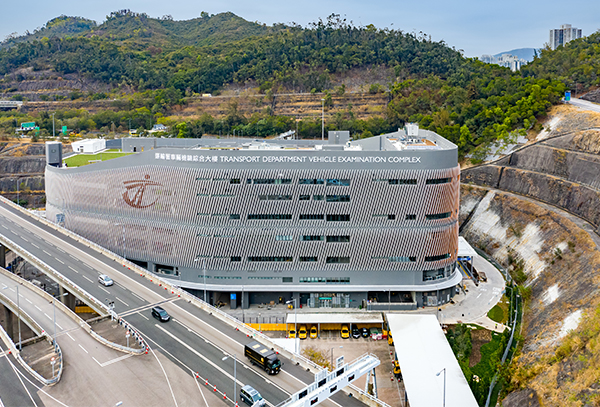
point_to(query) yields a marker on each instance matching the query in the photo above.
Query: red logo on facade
(137, 188)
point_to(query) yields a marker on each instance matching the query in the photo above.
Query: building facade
(252, 222)
(563, 35)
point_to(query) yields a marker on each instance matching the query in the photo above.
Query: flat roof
(423, 351)
(335, 318)
(465, 249)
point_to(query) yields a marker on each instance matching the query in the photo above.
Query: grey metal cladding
(179, 226)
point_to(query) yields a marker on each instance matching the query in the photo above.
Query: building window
(312, 279)
(287, 279)
(234, 181)
(338, 260)
(236, 258)
(402, 181)
(304, 197)
(234, 216)
(203, 235)
(308, 258)
(381, 215)
(338, 218)
(202, 194)
(338, 198)
(438, 216)
(328, 280)
(437, 181)
(338, 239)
(429, 275)
(311, 216)
(309, 181)
(271, 181)
(203, 179)
(402, 259)
(224, 236)
(411, 217)
(223, 195)
(203, 214)
(338, 182)
(270, 258)
(275, 197)
(284, 238)
(438, 257)
(318, 197)
(269, 216)
(312, 238)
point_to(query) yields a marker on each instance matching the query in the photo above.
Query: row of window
(281, 197)
(330, 259)
(325, 181)
(328, 280)
(319, 216)
(311, 238)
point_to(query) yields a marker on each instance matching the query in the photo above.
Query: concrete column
(9, 323)
(245, 300)
(2, 256)
(233, 300)
(61, 293)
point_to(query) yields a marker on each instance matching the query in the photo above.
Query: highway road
(193, 340)
(16, 386)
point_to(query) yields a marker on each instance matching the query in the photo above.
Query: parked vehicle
(292, 333)
(105, 280)
(262, 356)
(345, 332)
(160, 314)
(390, 339)
(251, 396)
(364, 332)
(376, 334)
(313, 332)
(302, 332)
(355, 332)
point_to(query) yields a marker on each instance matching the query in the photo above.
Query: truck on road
(262, 356)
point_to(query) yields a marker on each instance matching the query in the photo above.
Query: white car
(105, 280)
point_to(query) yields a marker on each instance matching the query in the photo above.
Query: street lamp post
(332, 368)
(322, 119)
(295, 323)
(259, 322)
(437, 374)
(234, 376)
(53, 131)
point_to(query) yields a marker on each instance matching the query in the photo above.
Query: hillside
(536, 211)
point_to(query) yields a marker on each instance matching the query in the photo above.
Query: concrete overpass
(10, 104)
(194, 341)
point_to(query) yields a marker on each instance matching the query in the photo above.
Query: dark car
(160, 314)
(355, 332)
(364, 332)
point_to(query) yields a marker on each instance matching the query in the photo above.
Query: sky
(474, 26)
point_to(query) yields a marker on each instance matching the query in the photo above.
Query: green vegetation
(496, 314)
(85, 159)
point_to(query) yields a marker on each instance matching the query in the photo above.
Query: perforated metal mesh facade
(175, 214)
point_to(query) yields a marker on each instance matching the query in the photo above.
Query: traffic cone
(224, 396)
(215, 389)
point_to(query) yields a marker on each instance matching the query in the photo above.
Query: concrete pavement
(585, 105)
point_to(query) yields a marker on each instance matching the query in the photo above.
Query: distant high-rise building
(563, 35)
(507, 60)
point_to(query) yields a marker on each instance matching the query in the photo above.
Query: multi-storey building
(563, 35)
(336, 223)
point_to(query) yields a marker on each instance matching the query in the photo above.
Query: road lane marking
(48, 316)
(24, 239)
(39, 309)
(104, 289)
(83, 349)
(127, 305)
(137, 296)
(60, 261)
(47, 253)
(479, 295)
(74, 269)
(58, 325)
(28, 300)
(87, 265)
(166, 377)
(87, 278)
(143, 316)
(35, 245)
(59, 249)
(70, 336)
(110, 362)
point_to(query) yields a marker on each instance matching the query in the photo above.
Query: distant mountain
(62, 26)
(525, 53)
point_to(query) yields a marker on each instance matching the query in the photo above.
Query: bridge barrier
(40, 332)
(69, 312)
(300, 360)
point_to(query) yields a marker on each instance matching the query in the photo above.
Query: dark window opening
(311, 216)
(411, 217)
(310, 238)
(311, 259)
(236, 258)
(234, 181)
(338, 260)
(338, 182)
(318, 197)
(309, 181)
(437, 181)
(271, 181)
(438, 257)
(287, 279)
(275, 197)
(234, 216)
(438, 216)
(304, 198)
(338, 239)
(338, 218)
(402, 181)
(269, 216)
(338, 198)
(271, 258)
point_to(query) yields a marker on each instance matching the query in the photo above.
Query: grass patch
(496, 314)
(84, 159)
